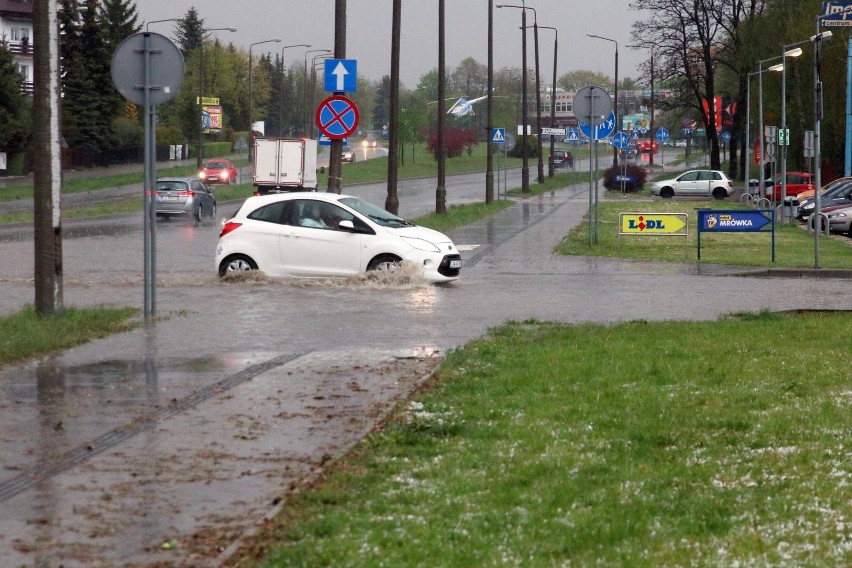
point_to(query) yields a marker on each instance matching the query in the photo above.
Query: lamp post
(786, 52)
(306, 127)
(148, 25)
(552, 96)
(653, 132)
(817, 39)
(760, 70)
(281, 97)
(251, 124)
(199, 102)
(617, 127)
(314, 66)
(525, 164)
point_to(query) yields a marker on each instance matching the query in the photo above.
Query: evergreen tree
(189, 32)
(14, 110)
(118, 18)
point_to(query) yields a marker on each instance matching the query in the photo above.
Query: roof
(16, 8)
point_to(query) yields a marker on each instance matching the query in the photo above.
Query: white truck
(282, 164)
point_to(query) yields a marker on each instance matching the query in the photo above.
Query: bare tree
(693, 39)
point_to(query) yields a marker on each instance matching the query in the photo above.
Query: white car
(312, 235)
(695, 182)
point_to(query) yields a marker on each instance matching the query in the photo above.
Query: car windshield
(171, 185)
(215, 166)
(375, 213)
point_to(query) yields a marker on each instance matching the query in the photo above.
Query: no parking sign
(337, 117)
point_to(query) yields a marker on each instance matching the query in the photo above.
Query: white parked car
(312, 235)
(695, 182)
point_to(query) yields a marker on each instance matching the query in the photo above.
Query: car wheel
(384, 263)
(236, 263)
(199, 212)
(667, 193)
(719, 193)
(213, 211)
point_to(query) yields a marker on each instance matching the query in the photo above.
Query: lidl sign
(653, 223)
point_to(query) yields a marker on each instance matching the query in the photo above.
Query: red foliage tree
(455, 141)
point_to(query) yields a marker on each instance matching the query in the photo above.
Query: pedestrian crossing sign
(573, 135)
(498, 135)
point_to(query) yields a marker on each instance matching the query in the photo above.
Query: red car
(218, 171)
(648, 146)
(797, 182)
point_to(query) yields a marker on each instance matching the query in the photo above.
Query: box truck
(282, 164)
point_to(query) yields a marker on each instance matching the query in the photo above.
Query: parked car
(695, 182)
(347, 236)
(348, 154)
(839, 194)
(797, 182)
(218, 171)
(827, 187)
(839, 219)
(184, 197)
(562, 159)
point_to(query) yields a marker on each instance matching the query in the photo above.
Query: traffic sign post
(337, 117)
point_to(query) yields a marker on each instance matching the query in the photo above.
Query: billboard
(836, 14)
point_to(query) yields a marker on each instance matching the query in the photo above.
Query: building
(16, 28)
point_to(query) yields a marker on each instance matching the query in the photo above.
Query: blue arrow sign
(620, 140)
(732, 221)
(341, 75)
(662, 135)
(602, 130)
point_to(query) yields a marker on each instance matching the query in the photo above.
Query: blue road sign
(573, 135)
(602, 130)
(725, 136)
(326, 141)
(620, 140)
(662, 135)
(732, 221)
(337, 117)
(498, 135)
(341, 75)
(835, 14)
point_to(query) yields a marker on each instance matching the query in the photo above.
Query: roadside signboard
(736, 221)
(341, 75)
(620, 140)
(337, 117)
(498, 135)
(662, 135)
(836, 14)
(553, 131)
(653, 223)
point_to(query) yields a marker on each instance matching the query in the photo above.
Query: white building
(16, 28)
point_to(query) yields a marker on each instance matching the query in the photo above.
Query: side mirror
(346, 225)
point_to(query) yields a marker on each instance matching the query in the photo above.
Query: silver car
(697, 183)
(348, 154)
(184, 197)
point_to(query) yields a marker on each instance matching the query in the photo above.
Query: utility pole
(47, 224)
(441, 191)
(392, 201)
(489, 119)
(335, 162)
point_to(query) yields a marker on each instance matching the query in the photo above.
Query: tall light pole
(818, 38)
(306, 126)
(653, 132)
(281, 97)
(148, 24)
(525, 164)
(760, 70)
(785, 53)
(314, 66)
(199, 102)
(250, 109)
(617, 127)
(552, 97)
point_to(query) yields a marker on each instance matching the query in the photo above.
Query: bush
(455, 141)
(634, 180)
(518, 150)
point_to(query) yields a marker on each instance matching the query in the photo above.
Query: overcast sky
(369, 24)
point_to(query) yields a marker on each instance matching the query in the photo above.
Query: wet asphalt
(167, 445)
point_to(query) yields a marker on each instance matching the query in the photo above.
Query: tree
(381, 109)
(189, 32)
(14, 110)
(118, 18)
(576, 80)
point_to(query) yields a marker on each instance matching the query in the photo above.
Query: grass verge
(600, 445)
(794, 247)
(26, 334)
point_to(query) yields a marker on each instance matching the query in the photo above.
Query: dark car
(562, 159)
(184, 197)
(840, 194)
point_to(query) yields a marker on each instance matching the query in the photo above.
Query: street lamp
(552, 96)
(306, 127)
(525, 165)
(817, 39)
(760, 70)
(251, 124)
(148, 25)
(199, 102)
(314, 66)
(785, 53)
(281, 108)
(617, 127)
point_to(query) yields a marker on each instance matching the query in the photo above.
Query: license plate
(169, 198)
(455, 264)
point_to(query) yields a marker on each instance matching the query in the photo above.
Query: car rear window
(171, 185)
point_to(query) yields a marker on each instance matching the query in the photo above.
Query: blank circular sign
(592, 105)
(128, 68)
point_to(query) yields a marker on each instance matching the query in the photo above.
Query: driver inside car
(315, 218)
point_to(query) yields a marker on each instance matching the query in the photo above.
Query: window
(689, 176)
(272, 213)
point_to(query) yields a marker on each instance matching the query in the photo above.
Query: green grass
(26, 334)
(794, 247)
(601, 445)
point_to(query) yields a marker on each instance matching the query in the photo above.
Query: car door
(687, 184)
(204, 196)
(320, 251)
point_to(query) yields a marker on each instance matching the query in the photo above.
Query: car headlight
(202, 175)
(836, 215)
(421, 244)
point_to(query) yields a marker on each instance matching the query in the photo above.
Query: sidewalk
(168, 444)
